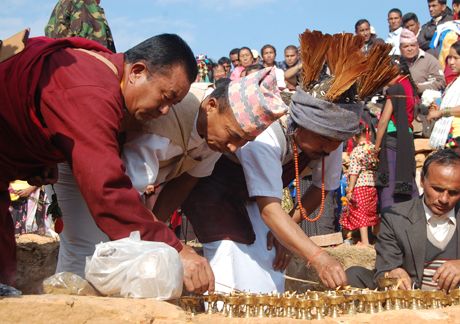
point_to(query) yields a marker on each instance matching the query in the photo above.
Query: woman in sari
(394, 140)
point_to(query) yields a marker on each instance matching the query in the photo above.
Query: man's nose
(444, 197)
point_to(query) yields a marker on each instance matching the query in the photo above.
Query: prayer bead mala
(303, 213)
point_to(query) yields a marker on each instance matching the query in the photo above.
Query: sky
(214, 27)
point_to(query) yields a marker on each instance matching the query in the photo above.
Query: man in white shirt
(243, 210)
(172, 152)
(419, 240)
(410, 21)
(395, 27)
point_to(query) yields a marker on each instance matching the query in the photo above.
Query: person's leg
(360, 277)
(7, 239)
(364, 236)
(80, 234)
(385, 194)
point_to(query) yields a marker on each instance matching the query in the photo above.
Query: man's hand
(448, 275)
(198, 275)
(283, 255)
(330, 271)
(400, 273)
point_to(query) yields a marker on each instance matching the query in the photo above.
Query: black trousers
(360, 277)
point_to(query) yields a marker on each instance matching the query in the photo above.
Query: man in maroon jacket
(60, 103)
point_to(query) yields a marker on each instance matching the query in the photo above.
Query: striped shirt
(429, 270)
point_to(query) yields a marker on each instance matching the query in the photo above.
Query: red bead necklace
(303, 213)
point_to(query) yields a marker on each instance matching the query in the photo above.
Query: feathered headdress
(353, 75)
(330, 104)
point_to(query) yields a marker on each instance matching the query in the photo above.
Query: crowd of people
(129, 138)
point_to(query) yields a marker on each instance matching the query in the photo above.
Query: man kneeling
(419, 241)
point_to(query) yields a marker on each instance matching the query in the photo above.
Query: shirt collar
(421, 53)
(396, 32)
(449, 216)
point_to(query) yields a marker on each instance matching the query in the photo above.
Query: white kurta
(141, 156)
(249, 267)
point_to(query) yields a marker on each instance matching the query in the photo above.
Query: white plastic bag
(133, 268)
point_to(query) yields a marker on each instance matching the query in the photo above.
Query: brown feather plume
(346, 62)
(313, 46)
(381, 71)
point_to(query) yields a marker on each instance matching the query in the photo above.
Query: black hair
(404, 70)
(444, 157)
(395, 10)
(443, 2)
(161, 52)
(456, 46)
(410, 16)
(245, 48)
(267, 46)
(293, 47)
(221, 94)
(455, 1)
(234, 51)
(223, 60)
(360, 22)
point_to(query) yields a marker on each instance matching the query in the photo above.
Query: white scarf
(442, 127)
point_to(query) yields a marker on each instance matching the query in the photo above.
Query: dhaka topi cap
(256, 101)
(339, 121)
(407, 37)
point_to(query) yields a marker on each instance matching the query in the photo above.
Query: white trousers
(80, 233)
(242, 266)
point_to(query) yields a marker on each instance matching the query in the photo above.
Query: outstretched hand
(330, 270)
(198, 275)
(448, 275)
(400, 273)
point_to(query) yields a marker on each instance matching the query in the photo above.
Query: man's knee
(360, 277)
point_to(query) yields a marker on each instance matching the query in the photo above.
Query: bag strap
(101, 58)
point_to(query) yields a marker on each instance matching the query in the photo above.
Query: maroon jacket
(57, 105)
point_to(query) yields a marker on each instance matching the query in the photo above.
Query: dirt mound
(37, 258)
(348, 255)
(72, 309)
(78, 309)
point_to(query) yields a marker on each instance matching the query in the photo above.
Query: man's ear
(137, 70)
(212, 105)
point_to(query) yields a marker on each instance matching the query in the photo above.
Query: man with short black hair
(226, 63)
(291, 65)
(419, 240)
(63, 100)
(291, 57)
(410, 21)
(172, 152)
(234, 57)
(440, 13)
(395, 28)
